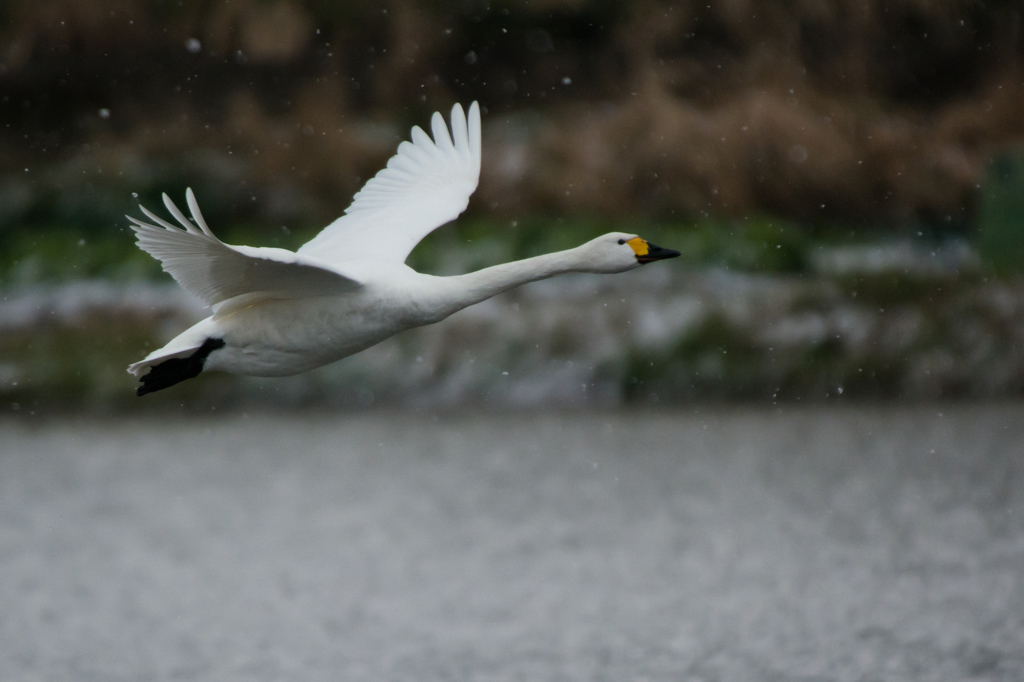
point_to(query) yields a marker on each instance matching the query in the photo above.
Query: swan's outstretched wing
(208, 268)
(425, 185)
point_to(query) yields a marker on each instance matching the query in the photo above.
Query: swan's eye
(622, 241)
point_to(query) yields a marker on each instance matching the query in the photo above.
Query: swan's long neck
(465, 290)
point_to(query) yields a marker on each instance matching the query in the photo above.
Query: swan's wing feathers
(197, 215)
(213, 271)
(425, 185)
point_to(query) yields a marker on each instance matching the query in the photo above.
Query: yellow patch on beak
(639, 246)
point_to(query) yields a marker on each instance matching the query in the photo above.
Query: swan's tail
(166, 371)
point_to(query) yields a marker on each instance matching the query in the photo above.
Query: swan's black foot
(176, 370)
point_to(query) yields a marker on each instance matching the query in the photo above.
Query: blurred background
(845, 181)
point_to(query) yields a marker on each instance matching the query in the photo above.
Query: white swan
(278, 312)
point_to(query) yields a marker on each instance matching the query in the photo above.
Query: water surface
(852, 544)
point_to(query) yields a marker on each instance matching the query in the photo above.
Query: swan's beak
(647, 252)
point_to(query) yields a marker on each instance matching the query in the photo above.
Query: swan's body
(278, 312)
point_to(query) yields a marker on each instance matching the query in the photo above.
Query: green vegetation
(1001, 215)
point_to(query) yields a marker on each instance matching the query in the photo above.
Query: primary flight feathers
(425, 185)
(214, 271)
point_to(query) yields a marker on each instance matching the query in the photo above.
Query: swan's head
(619, 252)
